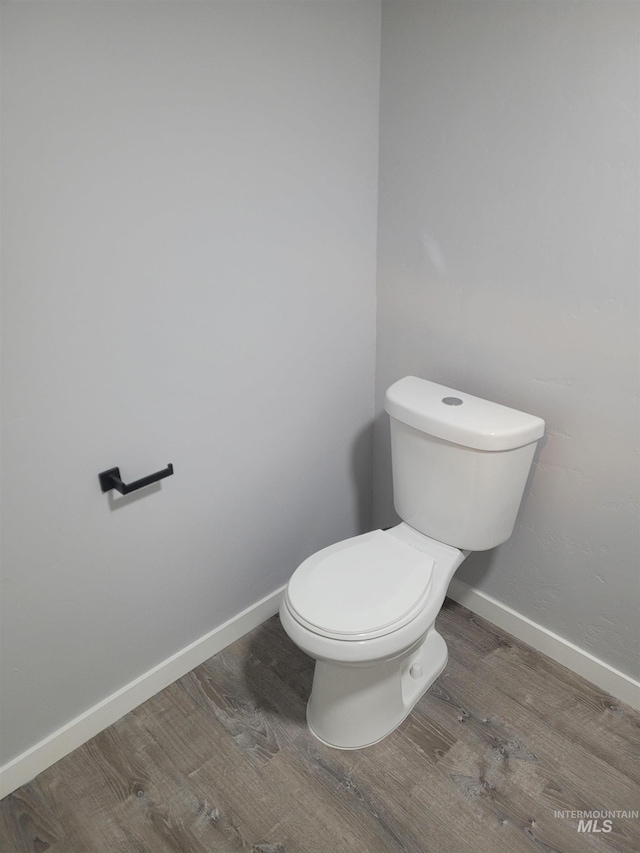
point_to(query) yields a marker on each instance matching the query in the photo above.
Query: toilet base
(356, 705)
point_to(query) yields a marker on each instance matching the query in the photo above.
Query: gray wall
(189, 203)
(508, 268)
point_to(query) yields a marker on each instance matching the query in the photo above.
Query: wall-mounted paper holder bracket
(111, 479)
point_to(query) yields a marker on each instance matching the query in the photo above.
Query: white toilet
(365, 608)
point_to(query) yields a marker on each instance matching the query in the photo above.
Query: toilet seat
(361, 588)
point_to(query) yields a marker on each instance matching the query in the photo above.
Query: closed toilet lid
(361, 588)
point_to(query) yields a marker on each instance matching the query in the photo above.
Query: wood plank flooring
(222, 761)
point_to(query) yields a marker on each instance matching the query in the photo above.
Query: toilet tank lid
(460, 418)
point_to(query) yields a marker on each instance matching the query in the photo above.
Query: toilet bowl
(365, 608)
(375, 644)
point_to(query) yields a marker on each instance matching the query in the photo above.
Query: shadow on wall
(361, 470)
(384, 515)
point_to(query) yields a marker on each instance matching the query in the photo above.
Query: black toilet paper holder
(111, 479)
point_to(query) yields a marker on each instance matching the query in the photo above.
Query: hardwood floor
(222, 761)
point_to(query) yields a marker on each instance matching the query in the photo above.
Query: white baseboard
(26, 766)
(619, 685)
(63, 741)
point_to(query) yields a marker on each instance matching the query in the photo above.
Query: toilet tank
(460, 463)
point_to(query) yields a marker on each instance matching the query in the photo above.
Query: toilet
(365, 608)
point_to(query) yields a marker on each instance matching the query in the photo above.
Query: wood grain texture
(222, 760)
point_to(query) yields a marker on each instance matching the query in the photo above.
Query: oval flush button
(452, 401)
